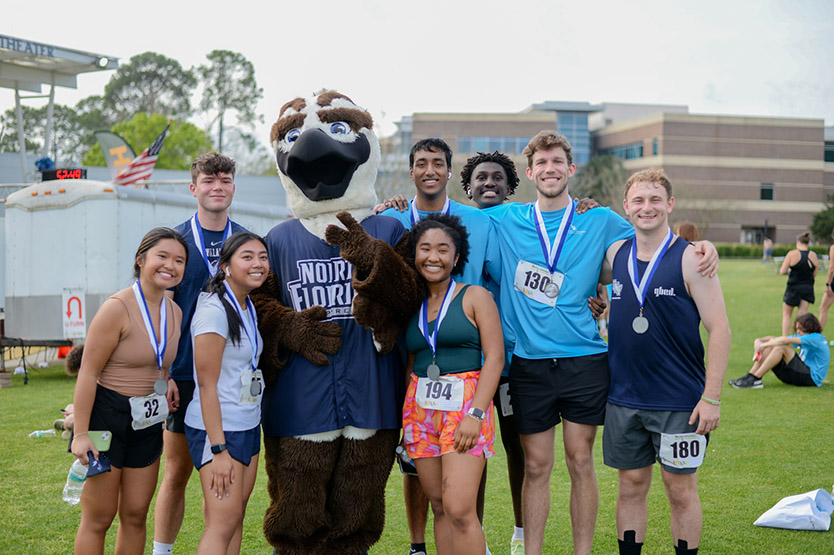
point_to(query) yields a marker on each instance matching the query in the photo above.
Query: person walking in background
(121, 389)
(801, 265)
(778, 354)
(828, 296)
(222, 422)
(767, 250)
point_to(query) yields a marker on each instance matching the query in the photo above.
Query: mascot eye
(292, 135)
(339, 128)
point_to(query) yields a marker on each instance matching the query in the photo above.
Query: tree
(183, 143)
(66, 145)
(602, 179)
(229, 85)
(150, 83)
(823, 223)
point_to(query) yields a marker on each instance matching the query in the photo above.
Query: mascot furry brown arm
(331, 419)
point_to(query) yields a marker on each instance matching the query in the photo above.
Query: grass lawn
(771, 443)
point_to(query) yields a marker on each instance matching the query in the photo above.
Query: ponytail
(217, 286)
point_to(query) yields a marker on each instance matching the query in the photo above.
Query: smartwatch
(219, 448)
(476, 413)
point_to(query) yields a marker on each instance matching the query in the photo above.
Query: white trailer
(82, 235)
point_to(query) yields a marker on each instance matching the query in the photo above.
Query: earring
(227, 272)
(469, 193)
(449, 176)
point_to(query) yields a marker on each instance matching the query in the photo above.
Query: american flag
(142, 166)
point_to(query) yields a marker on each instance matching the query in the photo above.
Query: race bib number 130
(682, 450)
(538, 283)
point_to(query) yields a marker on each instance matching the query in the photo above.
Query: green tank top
(458, 342)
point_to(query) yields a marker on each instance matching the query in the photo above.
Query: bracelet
(79, 434)
(709, 401)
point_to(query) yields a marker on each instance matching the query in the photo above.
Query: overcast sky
(762, 57)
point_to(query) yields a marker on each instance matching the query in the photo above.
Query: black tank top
(802, 272)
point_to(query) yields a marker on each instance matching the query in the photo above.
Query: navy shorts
(242, 446)
(795, 372)
(176, 420)
(129, 448)
(544, 391)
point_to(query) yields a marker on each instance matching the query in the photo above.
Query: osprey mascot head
(339, 289)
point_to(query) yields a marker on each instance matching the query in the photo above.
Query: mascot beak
(321, 167)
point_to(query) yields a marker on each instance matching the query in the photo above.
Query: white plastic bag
(807, 511)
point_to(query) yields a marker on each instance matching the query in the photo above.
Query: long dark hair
(150, 240)
(217, 287)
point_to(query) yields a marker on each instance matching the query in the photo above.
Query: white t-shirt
(210, 317)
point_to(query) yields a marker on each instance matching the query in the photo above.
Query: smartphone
(101, 439)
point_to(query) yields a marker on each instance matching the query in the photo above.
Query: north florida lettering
(326, 283)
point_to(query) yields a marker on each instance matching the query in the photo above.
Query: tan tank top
(131, 369)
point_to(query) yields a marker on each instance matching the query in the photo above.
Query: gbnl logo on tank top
(324, 282)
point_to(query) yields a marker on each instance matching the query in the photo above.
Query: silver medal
(160, 386)
(640, 324)
(433, 372)
(255, 388)
(552, 290)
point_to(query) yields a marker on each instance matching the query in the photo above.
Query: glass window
(464, 144)
(479, 144)
(654, 147)
(766, 191)
(495, 143)
(829, 153)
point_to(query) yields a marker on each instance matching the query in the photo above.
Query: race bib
(682, 450)
(504, 399)
(147, 411)
(445, 393)
(538, 283)
(251, 387)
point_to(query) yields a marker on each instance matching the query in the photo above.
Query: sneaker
(516, 546)
(747, 381)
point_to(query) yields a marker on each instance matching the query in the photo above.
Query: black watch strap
(219, 448)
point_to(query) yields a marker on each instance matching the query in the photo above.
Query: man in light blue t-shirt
(779, 354)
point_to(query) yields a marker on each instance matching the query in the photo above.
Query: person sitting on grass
(778, 354)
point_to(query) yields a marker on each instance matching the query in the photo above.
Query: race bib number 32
(147, 411)
(682, 450)
(445, 393)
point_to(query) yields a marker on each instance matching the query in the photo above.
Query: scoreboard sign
(74, 173)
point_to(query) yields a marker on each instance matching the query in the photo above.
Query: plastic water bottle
(43, 433)
(75, 482)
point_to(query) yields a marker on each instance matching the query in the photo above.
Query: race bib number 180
(682, 450)
(147, 411)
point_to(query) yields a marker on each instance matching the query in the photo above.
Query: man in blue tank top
(663, 402)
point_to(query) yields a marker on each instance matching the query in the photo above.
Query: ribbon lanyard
(551, 255)
(641, 290)
(158, 348)
(197, 232)
(253, 336)
(415, 216)
(423, 323)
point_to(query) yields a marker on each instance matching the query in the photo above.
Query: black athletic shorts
(795, 372)
(176, 420)
(544, 391)
(796, 293)
(130, 448)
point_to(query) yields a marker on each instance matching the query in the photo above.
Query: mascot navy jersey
(479, 227)
(567, 329)
(662, 369)
(356, 388)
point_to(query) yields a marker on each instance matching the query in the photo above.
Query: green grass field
(771, 443)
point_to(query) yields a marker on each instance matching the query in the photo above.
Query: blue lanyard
(415, 216)
(200, 240)
(551, 255)
(642, 289)
(158, 348)
(423, 323)
(253, 336)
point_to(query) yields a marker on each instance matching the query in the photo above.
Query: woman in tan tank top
(122, 388)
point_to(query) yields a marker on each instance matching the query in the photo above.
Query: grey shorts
(631, 437)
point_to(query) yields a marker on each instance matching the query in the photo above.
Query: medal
(252, 333)
(415, 216)
(160, 386)
(255, 388)
(433, 370)
(552, 253)
(640, 324)
(197, 233)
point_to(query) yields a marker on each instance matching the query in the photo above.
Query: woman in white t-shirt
(222, 422)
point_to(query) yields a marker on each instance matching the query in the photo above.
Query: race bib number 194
(445, 393)
(682, 450)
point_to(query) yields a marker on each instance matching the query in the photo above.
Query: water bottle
(43, 433)
(75, 482)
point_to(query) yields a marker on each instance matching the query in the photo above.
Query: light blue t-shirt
(813, 351)
(568, 329)
(477, 224)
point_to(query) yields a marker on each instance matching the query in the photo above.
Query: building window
(766, 191)
(625, 152)
(508, 145)
(654, 147)
(574, 126)
(829, 152)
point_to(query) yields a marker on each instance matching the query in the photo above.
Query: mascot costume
(340, 287)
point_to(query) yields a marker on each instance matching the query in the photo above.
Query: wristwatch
(476, 413)
(219, 448)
